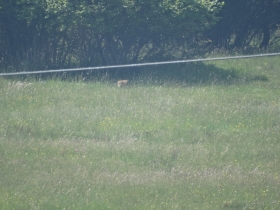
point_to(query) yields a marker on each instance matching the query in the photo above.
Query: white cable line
(139, 64)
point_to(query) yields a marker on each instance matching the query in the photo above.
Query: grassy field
(200, 136)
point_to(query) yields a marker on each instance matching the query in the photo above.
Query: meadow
(194, 136)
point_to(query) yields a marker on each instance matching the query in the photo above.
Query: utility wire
(139, 64)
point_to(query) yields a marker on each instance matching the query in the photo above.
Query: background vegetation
(55, 34)
(48, 34)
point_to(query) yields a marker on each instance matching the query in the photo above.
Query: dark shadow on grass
(189, 74)
(177, 74)
(234, 205)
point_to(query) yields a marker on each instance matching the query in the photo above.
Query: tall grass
(178, 137)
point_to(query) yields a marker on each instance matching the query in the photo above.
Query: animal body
(122, 83)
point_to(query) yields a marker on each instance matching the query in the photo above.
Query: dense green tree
(131, 31)
(32, 34)
(246, 23)
(62, 33)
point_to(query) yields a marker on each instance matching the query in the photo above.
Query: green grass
(202, 136)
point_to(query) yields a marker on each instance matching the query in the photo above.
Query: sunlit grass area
(203, 136)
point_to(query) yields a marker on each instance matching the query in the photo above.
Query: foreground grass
(208, 140)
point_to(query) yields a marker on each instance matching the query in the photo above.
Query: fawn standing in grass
(122, 83)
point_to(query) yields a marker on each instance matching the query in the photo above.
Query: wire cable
(138, 65)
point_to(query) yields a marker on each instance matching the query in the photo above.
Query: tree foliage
(44, 34)
(246, 23)
(60, 33)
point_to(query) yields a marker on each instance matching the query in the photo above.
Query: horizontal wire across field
(138, 65)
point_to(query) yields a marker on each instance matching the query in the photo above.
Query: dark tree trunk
(266, 36)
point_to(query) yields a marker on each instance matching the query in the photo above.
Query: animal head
(122, 83)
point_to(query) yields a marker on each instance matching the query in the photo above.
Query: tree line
(49, 34)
